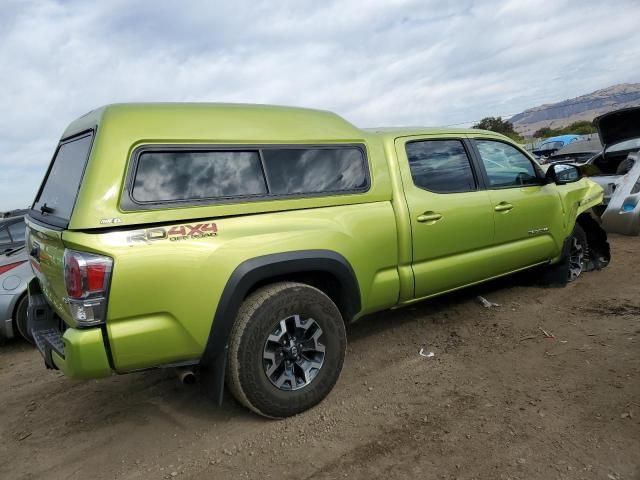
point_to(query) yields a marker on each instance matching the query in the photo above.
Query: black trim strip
(36, 217)
(179, 221)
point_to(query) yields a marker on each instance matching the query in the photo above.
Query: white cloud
(375, 63)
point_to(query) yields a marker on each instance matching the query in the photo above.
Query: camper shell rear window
(200, 174)
(57, 195)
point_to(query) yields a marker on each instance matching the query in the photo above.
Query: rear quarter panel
(164, 292)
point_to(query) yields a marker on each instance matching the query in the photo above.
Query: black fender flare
(252, 272)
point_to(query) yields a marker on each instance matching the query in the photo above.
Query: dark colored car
(12, 230)
(577, 152)
(15, 273)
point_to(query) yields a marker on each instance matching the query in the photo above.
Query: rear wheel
(20, 319)
(286, 349)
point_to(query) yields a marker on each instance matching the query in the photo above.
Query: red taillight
(85, 274)
(72, 276)
(10, 266)
(96, 277)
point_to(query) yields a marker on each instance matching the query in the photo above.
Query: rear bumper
(79, 353)
(84, 354)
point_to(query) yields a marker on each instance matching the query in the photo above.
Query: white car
(617, 170)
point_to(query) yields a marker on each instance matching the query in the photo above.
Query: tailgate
(46, 254)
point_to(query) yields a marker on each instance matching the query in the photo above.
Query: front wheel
(578, 253)
(286, 349)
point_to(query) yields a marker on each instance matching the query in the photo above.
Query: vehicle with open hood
(617, 170)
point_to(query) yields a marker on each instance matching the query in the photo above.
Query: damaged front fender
(592, 196)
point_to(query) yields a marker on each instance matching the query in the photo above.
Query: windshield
(632, 144)
(60, 188)
(550, 146)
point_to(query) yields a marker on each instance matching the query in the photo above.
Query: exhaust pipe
(186, 376)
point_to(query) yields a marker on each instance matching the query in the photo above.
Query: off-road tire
(580, 238)
(256, 319)
(20, 319)
(558, 275)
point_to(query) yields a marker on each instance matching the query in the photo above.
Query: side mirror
(562, 173)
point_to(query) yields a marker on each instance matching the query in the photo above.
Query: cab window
(440, 166)
(506, 166)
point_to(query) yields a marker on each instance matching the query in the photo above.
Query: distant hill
(585, 107)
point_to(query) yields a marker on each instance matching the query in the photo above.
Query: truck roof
(224, 121)
(411, 131)
(243, 122)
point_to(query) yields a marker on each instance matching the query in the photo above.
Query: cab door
(451, 216)
(527, 211)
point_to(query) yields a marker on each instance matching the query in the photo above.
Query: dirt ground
(498, 400)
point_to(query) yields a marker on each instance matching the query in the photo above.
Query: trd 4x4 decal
(175, 233)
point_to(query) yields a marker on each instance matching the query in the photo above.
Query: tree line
(505, 127)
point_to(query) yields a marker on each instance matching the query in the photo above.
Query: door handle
(503, 207)
(429, 217)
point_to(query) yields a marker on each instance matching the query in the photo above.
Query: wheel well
(326, 282)
(324, 269)
(596, 236)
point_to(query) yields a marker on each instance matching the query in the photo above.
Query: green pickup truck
(237, 240)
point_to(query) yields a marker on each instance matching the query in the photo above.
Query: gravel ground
(500, 399)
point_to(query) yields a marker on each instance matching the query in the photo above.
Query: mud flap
(212, 375)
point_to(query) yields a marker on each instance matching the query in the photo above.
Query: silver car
(15, 273)
(617, 170)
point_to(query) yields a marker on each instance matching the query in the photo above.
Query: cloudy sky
(374, 62)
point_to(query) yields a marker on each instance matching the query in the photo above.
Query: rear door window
(440, 166)
(58, 193)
